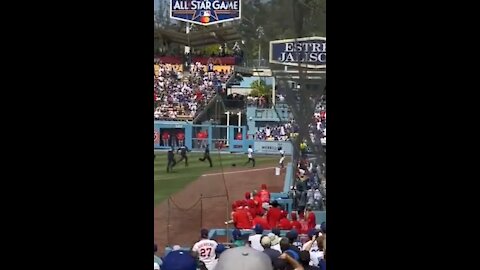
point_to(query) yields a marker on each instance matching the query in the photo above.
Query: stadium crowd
(280, 132)
(176, 96)
(303, 246)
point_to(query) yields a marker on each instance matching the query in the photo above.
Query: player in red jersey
(181, 138)
(242, 218)
(274, 214)
(165, 138)
(311, 219)
(251, 203)
(284, 223)
(264, 194)
(262, 220)
(295, 224)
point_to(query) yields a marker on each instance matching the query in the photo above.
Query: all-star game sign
(310, 52)
(205, 12)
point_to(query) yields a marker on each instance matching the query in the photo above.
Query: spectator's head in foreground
(284, 244)
(243, 258)
(179, 260)
(258, 229)
(292, 236)
(304, 258)
(266, 241)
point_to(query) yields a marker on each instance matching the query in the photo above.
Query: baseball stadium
(239, 134)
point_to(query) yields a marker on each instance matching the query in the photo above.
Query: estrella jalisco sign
(205, 12)
(309, 52)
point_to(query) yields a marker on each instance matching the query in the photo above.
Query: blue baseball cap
(293, 254)
(293, 234)
(237, 234)
(179, 260)
(258, 229)
(220, 248)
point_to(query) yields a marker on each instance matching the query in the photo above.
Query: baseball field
(167, 184)
(197, 196)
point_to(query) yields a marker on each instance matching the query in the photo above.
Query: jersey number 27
(205, 252)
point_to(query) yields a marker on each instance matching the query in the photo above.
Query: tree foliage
(260, 88)
(280, 19)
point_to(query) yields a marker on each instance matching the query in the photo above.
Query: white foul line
(252, 170)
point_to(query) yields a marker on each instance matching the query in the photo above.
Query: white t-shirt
(255, 241)
(277, 247)
(267, 131)
(206, 252)
(315, 254)
(250, 153)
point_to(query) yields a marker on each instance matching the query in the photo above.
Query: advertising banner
(271, 147)
(205, 12)
(309, 52)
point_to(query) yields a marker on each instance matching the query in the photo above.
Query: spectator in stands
(314, 246)
(179, 260)
(293, 239)
(177, 98)
(285, 245)
(274, 215)
(205, 250)
(254, 240)
(274, 255)
(156, 259)
(275, 239)
(238, 238)
(292, 259)
(305, 261)
(322, 264)
(243, 258)
(219, 250)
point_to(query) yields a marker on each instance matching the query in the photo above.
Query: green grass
(169, 183)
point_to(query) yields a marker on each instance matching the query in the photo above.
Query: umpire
(183, 153)
(206, 155)
(171, 160)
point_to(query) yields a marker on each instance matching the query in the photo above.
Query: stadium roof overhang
(209, 36)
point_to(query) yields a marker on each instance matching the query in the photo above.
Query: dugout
(169, 134)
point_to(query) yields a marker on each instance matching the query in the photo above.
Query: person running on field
(206, 155)
(183, 153)
(250, 156)
(171, 160)
(282, 157)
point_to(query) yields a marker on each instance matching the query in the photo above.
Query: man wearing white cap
(272, 253)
